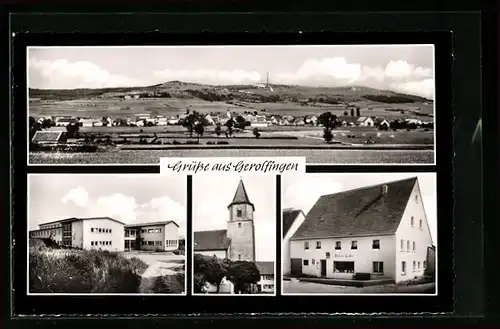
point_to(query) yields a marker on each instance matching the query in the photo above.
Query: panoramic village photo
(106, 234)
(363, 233)
(234, 238)
(333, 104)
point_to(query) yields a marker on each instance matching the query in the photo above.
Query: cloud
(423, 88)
(117, 205)
(303, 193)
(215, 77)
(167, 209)
(63, 74)
(327, 70)
(78, 196)
(402, 69)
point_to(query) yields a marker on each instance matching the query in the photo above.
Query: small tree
(346, 113)
(358, 113)
(242, 274)
(73, 129)
(241, 123)
(199, 129)
(218, 129)
(256, 132)
(199, 282)
(352, 112)
(327, 135)
(229, 124)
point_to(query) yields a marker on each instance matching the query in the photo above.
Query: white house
(381, 230)
(106, 233)
(266, 282)
(292, 219)
(365, 122)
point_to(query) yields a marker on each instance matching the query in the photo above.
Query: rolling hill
(244, 93)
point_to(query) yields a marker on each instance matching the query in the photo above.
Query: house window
(91, 243)
(378, 267)
(408, 245)
(354, 245)
(100, 231)
(318, 244)
(150, 243)
(414, 246)
(420, 224)
(92, 229)
(313, 261)
(376, 244)
(412, 221)
(338, 245)
(238, 213)
(239, 225)
(424, 264)
(402, 244)
(403, 268)
(343, 267)
(306, 262)
(414, 265)
(418, 265)
(416, 198)
(306, 245)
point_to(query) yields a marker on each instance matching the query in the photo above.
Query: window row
(171, 243)
(46, 232)
(348, 267)
(417, 265)
(338, 245)
(412, 222)
(100, 230)
(100, 243)
(409, 247)
(151, 230)
(151, 243)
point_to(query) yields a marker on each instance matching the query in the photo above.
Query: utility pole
(267, 80)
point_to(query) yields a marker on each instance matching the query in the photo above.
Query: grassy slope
(83, 102)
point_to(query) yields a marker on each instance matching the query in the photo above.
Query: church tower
(240, 227)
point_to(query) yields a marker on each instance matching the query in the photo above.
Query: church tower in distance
(240, 227)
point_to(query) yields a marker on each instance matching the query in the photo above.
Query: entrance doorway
(323, 267)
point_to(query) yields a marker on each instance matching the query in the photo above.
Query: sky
(402, 68)
(316, 185)
(212, 193)
(131, 198)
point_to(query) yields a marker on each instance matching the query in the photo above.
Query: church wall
(242, 240)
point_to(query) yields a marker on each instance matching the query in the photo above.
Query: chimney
(384, 189)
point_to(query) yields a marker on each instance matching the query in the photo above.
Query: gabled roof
(73, 219)
(48, 136)
(265, 268)
(360, 212)
(289, 216)
(211, 240)
(241, 196)
(152, 224)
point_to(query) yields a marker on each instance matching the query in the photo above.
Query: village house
(63, 122)
(161, 121)
(106, 233)
(381, 230)
(365, 122)
(381, 123)
(291, 220)
(348, 120)
(266, 282)
(236, 242)
(209, 119)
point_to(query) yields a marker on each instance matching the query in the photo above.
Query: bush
(69, 271)
(222, 142)
(361, 276)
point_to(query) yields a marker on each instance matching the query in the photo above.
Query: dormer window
(238, 213)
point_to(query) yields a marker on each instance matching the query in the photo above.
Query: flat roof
(72, 219)
(152, 224)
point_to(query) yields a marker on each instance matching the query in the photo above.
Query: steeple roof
(241, 196)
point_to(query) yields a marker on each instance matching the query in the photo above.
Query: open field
(318, 288)
(173, 107)
(313, 156)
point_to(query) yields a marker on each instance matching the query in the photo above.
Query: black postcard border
(462, 120)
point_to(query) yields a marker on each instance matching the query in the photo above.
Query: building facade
(105, 233)
(381, 230)
(291, 221)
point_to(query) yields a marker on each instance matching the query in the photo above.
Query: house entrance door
(323, 267)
